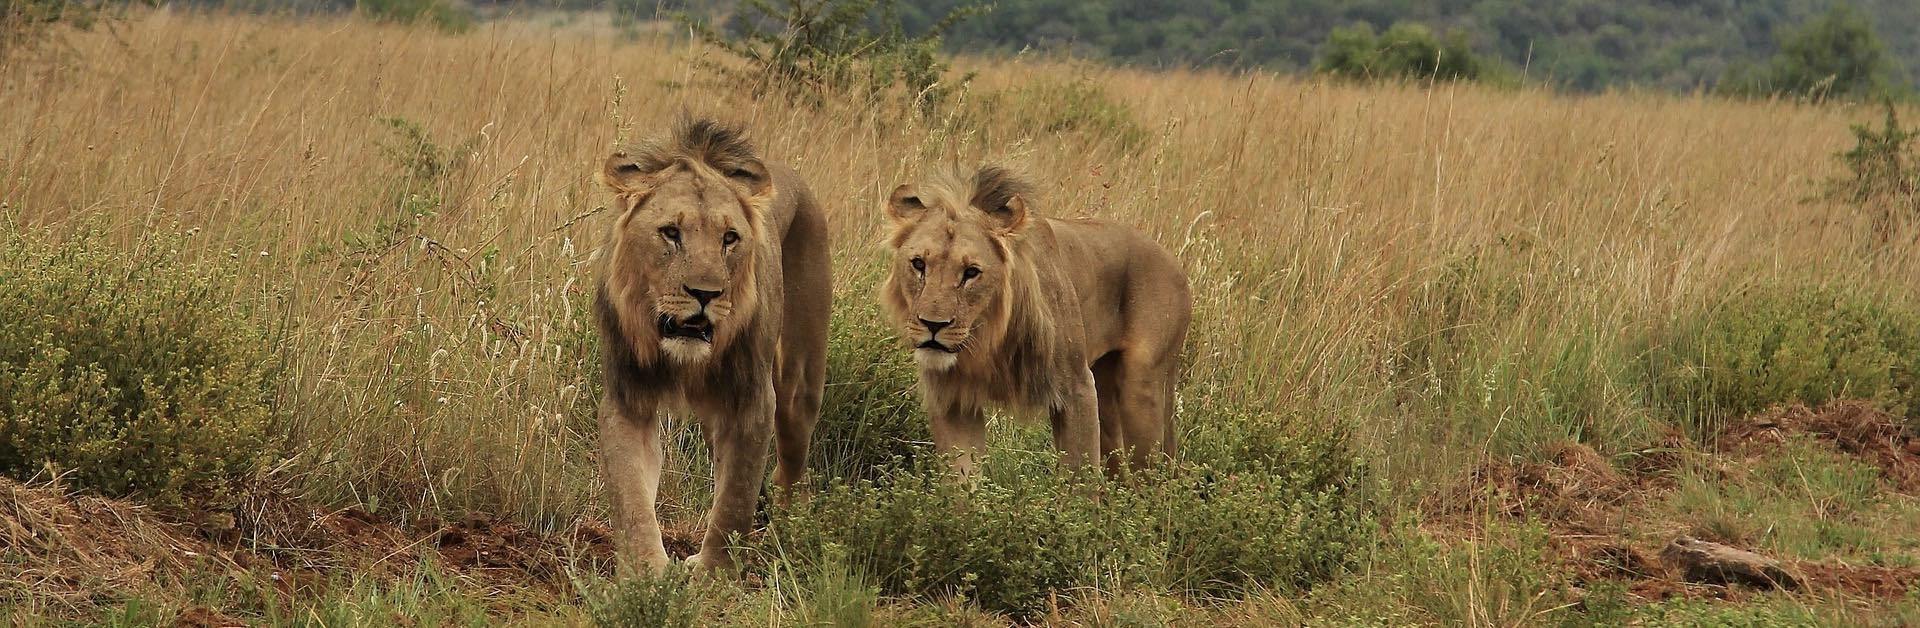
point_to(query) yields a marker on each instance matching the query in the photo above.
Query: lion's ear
(1010, 216)
(625, 175)
(905, 204)
(753, 174)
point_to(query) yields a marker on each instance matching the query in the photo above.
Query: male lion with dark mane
(714, 299)
(1083, 319)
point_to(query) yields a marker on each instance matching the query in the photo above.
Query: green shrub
(667, 600)
(1405, 51)
(1781, 344)
(129, 370)
(1009, 545)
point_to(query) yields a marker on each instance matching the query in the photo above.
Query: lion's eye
(670, 232)
(730, 238)
(919, 265)
(970, 272)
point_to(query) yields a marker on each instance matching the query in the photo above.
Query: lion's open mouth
(935, 344)
(695, 327)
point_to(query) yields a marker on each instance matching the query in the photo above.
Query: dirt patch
(1576, 491)
(1586, 503)
(79, 551)
(1888, 583)
(505, 552)
(1853, 427)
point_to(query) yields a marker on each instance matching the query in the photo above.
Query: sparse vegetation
(1460, 354)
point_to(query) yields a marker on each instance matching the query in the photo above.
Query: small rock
(1712, 563)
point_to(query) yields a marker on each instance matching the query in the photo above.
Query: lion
(714, 298)
(1084, 319)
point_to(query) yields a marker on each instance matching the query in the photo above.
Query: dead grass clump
(1574, 490)
(77, 549)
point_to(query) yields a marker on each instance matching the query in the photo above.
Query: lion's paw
(703, 562)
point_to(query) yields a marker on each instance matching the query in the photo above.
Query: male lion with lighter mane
(714, 299)
(1081, 318)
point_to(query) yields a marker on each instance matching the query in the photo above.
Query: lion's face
(949, 281)
(684, 249)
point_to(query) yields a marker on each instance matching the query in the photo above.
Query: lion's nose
(934, 327)
(703, 296)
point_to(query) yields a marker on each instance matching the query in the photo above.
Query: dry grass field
(1482, 306)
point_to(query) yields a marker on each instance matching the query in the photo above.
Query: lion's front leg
(1076, 422)
(630, 463)
(738, 431)
(959, 432)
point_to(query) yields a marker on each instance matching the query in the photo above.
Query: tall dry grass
(1446, 271)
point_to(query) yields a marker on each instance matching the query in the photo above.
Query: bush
(132, 371)
(1777, 344)
(814, 50)
(1883, 176)
(667, 600)
(1405, 51)
(1009, 545)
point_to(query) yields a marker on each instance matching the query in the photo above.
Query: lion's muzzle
(696, 327)
(933, 336)
(935, 345)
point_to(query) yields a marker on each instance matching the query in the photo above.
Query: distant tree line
(1806, 48)
(1582, 45)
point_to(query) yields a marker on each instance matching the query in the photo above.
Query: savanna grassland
(1461, 355)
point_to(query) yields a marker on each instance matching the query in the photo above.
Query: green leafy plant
(1010, 543)
(130, 371)
(1780, 344)
(814, 50)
